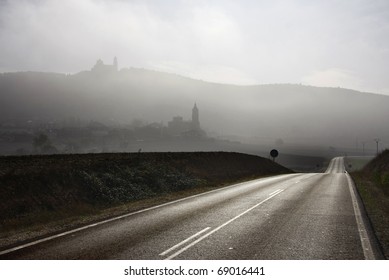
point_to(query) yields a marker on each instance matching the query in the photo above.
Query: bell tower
(195, 117)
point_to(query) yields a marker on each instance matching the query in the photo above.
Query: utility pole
(377, 140)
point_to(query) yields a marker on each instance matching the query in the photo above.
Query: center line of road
(220, 227)
(183, 242)
(274, 192)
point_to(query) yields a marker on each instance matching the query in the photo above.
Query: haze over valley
(305, 78)
(285, 116)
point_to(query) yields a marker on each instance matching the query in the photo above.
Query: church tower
(195, 118)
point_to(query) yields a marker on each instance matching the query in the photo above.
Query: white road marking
(274, 192)
(183, 242)
(262, 180)
(365, 241)
(333, 165)
(219, 227)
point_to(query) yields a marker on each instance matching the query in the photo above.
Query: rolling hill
(262, 113)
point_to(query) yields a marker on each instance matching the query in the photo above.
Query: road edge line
(32, 243)
(362, 228)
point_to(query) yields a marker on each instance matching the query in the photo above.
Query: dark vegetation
(373, 185)
(38, 189)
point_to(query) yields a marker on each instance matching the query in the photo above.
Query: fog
(299, 76)
(321, 43)
(294, 115)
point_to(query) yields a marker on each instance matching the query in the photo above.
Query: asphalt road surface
(295, 216)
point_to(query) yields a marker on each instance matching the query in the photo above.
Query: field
(356, 163)
(42, 194)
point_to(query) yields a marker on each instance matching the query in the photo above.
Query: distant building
(191, 129)
(101, 68)
(195, 118)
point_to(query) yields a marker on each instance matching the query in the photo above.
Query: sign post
(274, 154)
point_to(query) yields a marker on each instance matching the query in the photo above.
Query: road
(294, 216)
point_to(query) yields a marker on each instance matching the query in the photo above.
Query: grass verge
(40, 195)
(372, 183)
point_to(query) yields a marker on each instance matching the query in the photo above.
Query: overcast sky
(323, 43)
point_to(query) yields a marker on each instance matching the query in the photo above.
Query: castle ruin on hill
(101, 68)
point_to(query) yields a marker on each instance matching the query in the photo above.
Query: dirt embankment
(373, 185)
(40, 189)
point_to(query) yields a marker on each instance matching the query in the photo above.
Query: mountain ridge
(288, 111)
(180, 76)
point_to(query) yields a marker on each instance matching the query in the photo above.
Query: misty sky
(323, 43)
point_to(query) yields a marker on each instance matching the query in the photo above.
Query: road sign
(274, 154)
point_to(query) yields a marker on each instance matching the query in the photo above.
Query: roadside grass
(46, 194)
(32, 226)
(45, 223)
(376, 202)
(372, 183)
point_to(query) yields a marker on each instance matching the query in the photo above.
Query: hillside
(262, 114)
(41, 189)
(373, 185)
(379, 166)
